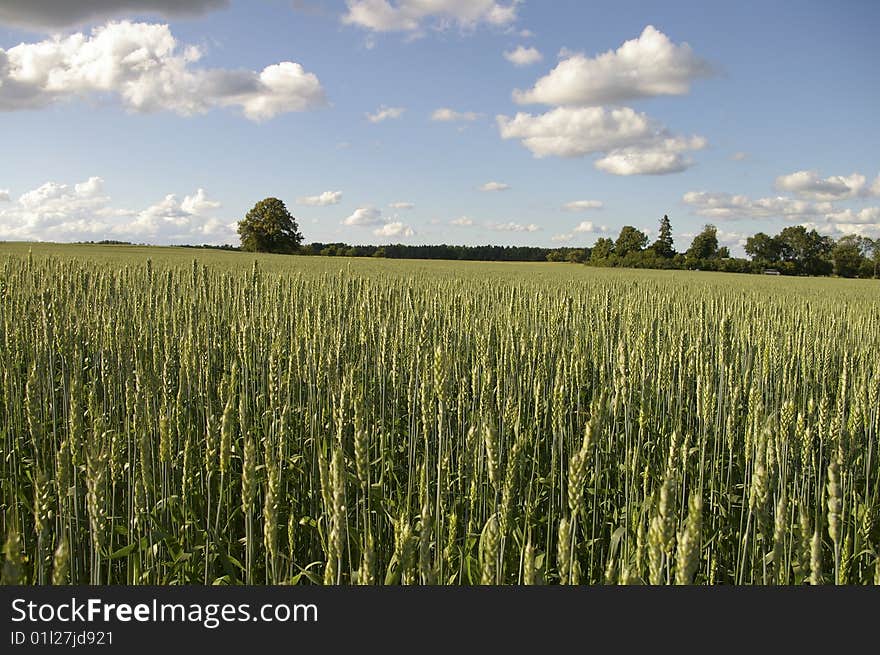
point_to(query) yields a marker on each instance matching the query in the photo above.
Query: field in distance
(175, 415)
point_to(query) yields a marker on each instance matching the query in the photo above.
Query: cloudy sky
(437, 121)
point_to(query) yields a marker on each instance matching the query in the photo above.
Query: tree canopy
(269, 227)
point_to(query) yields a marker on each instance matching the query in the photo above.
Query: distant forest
(794, 251)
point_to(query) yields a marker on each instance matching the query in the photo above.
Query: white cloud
(490, 187)
(582, 205)
(49, 15)
(631, 142)
(513, 227)
(364, 216)
(821, 216)
(82, 212)
(651, 65)
(523, 56)
(402, 205)
(739, 156)
(385, 113)
(585, 227)
(411, 15)
(589, 228)
(725, 206)
(808, 184)
(462, 221)
(660, 158)
(143, 65)
(197, 205)
(321, 200)
(836, 230)
(394, 229)
(446, 115)
(4, 195)
(866, 216)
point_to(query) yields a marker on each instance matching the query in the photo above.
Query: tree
(808, 251)
(872, 251)
(602, 249)
(847, 256)
(576, 256)
(663, 246)
(630, 240)
(704, 245)
(763, 249)
(269, 227)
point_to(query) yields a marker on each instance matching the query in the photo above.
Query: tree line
(270, 227)
(794, 251)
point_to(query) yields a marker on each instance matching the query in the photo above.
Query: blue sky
(167, 128)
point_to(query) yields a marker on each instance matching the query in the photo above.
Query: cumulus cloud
(870, 230)
(584, 227)
(321, 200)
(866, 216)
(446, 115)
(394, 229)
(582, 205)
(589, 228)
(822, 216)
(809, 184)
(413, 15)
(386, 113)
(364, 216)
(632, 143)
(490, 187)
(523, 56)
(145, 67)
(651, 65)
(402, 205)
(83, 212)
(726, 206)
(48, 15)
(4, 195)
(462, 221)
(513, 227)
(658, 158)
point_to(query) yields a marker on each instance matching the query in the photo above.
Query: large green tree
(764, 249)
(847, 256)
(269, 227)
(630, 240)
(704, 245)
(602, 249)
(809, 251)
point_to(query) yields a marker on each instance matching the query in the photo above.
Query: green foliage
(704, 246)
(847, 256)
(664, 246)
(269, 227)
(630, 240)
(603, 249)
(808, 251)
(763, 249)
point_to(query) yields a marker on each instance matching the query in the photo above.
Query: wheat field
(173, 416)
